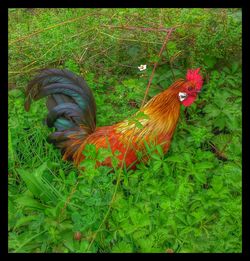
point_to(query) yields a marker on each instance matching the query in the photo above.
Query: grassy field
(187, 201)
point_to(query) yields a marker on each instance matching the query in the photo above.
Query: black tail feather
(70, 103)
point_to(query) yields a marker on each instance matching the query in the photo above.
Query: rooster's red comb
(193, 75)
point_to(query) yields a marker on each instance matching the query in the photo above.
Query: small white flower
(142, 67)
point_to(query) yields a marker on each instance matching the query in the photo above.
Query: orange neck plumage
(162, 114)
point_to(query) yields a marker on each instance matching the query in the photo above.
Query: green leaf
(133, 213)
(38, 185)
(203, 165)
(32, 181)
(165, 205)
(15, 93)
(231, 82)
(235, 67)
(160, 150)
(90, 151)
(157, 165)
(25, 221)
(76, 217)
(210, 61)
(103, 154)
(72, 66)
(138, 125)
(171, 46)
(175, 159)
(139, 219)
(133, 51)
(154, 58)
(29, 202)
(166, 168)
(122, 247)
(156, 156)
(217, 183)
(84, 246)
(140, 233)
(201, 177)
(145, 245)
(88, 164)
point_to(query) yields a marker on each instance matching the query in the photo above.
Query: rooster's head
(191, 87)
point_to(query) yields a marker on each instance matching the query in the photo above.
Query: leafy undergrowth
(186, 201)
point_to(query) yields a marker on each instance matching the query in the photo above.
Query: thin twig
(119, 64)
(69, 198)
(225, 146)
(126, 39)
(170, 63)
(51, 48)
(103, 51)
(139, 28)
(155, 65)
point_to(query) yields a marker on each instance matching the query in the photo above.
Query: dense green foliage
(186, 201)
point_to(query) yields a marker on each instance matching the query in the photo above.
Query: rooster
(72, 112)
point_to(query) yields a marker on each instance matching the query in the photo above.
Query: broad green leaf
(166, 168)
(122, 247)
(175, 158)
(165, 205)
(145, 245)
(203, 165)
(29, 202)
(201, 177)
(217, 183)
(25, 221)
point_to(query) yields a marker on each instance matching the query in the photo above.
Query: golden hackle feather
(162, 114)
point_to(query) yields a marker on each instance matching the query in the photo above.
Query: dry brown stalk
(156, 63)
(139, 28)
(69, 198)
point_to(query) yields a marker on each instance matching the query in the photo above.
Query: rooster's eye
(182, 96)
(190, 88)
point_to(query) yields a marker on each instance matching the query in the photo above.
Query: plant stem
(156, 63)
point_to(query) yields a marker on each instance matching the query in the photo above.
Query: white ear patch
(182, 96)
